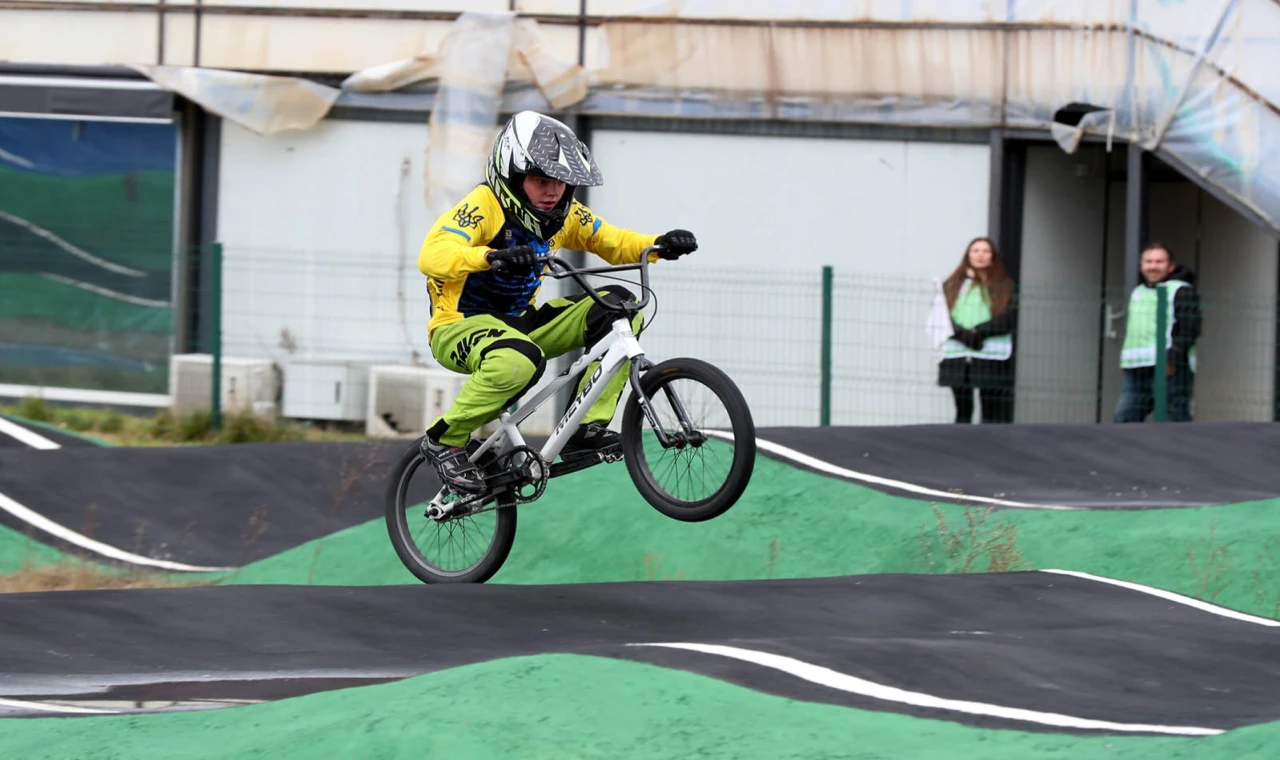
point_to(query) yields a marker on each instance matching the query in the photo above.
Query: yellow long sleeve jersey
(459, 279)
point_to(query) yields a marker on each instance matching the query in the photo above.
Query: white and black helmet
(532, 143)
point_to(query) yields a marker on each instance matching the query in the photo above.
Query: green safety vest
(1140, 331)
(971, 309)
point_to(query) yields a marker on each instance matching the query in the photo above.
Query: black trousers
(997, 404)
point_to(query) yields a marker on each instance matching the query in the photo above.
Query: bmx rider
(483, 279)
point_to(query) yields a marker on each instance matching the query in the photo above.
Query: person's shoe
(453, 466)
(592, 438)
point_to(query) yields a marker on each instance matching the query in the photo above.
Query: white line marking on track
(70, 536)
(104, 291)
(21, 704)
(27, 436)
(843, 682)
(1173, 597)
(831, 469)
(74, 250)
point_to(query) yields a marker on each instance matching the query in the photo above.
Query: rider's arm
(457, 243)
(585, 231)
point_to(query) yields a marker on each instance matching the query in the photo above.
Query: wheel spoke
(466, 548)
(689, 476)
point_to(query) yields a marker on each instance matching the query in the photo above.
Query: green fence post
(1161, 385)
(825, 413)
(215, 331)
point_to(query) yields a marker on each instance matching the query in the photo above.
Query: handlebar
(569, 270)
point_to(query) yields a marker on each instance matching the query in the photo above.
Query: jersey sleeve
(458, 241)
(585, 231)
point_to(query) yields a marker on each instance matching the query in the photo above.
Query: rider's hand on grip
(519, 257)
(675, 244)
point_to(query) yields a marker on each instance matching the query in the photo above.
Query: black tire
(504, 534)
(634, 423)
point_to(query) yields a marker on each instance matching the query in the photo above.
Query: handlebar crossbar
(569, 270)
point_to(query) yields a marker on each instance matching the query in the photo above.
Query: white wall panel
(321, 231)
(769, 213)
(1063, 233)
(1236, 352)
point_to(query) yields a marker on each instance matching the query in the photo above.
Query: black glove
(675, 244)
(519, 257)
(970, 338)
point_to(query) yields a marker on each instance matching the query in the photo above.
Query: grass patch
(30, 565)
(74, 574)
(961, 546)
(164, 428)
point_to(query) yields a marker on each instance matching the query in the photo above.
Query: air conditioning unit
(403, 400)
(326, 388)
(246, 383)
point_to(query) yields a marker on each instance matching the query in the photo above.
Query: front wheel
(466, 549)
(697, 472)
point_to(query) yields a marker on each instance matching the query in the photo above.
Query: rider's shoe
(591, 438)
(453, 466)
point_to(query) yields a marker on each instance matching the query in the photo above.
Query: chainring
(530, 471)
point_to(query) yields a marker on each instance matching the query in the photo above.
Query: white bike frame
(613, 351)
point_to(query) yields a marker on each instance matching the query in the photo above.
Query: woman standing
(980, 300)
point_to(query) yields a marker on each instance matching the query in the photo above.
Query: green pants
(506, 356)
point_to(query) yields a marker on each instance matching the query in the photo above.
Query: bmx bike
(656, 421)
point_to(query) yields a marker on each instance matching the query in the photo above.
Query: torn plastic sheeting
(1068, 137)
(262, 103)
(561, 82)
(1230, 141)
(472, 67)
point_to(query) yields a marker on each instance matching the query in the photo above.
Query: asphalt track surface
(227, 506)
(1037, 641)
(208, 506)
(1090, 466)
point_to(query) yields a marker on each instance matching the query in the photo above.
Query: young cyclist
(480, 261)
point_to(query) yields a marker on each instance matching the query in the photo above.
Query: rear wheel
(699, 473)
(465, 549)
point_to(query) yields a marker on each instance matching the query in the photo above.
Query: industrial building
(314, 142)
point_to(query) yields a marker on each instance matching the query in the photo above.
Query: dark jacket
(984, 373)
(1187, 320)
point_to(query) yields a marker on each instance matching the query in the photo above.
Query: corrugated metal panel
(291, 44)
(87, 37)
(450, 6)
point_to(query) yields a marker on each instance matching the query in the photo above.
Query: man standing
(1138, 356)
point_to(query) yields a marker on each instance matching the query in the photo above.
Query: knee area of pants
(512, 370)
(616, 294)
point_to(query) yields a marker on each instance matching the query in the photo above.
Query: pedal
(579, 461)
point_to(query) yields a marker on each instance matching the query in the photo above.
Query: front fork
(689, 435)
